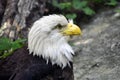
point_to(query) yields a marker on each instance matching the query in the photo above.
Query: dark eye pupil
(59, 26)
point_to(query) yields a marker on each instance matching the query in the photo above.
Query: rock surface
(98, 50)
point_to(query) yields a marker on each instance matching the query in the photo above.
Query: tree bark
(16, 17)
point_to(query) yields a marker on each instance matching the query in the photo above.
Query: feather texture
(49, 43)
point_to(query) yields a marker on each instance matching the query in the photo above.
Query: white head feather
(48, 43)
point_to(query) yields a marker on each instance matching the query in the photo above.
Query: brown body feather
(23, 66)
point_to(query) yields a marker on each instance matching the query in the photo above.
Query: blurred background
(97, 50)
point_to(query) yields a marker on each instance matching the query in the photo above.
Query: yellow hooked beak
(72, 29)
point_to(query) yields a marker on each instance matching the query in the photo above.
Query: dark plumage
(22, 66)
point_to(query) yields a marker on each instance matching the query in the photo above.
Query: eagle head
(47, 38)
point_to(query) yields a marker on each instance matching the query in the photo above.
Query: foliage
(117, 10)
(81, 5)
(71, 16)
(112, 3)
(7, 46)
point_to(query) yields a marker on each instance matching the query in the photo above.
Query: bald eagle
(48, 55)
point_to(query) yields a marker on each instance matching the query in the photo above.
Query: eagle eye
(58, 27)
